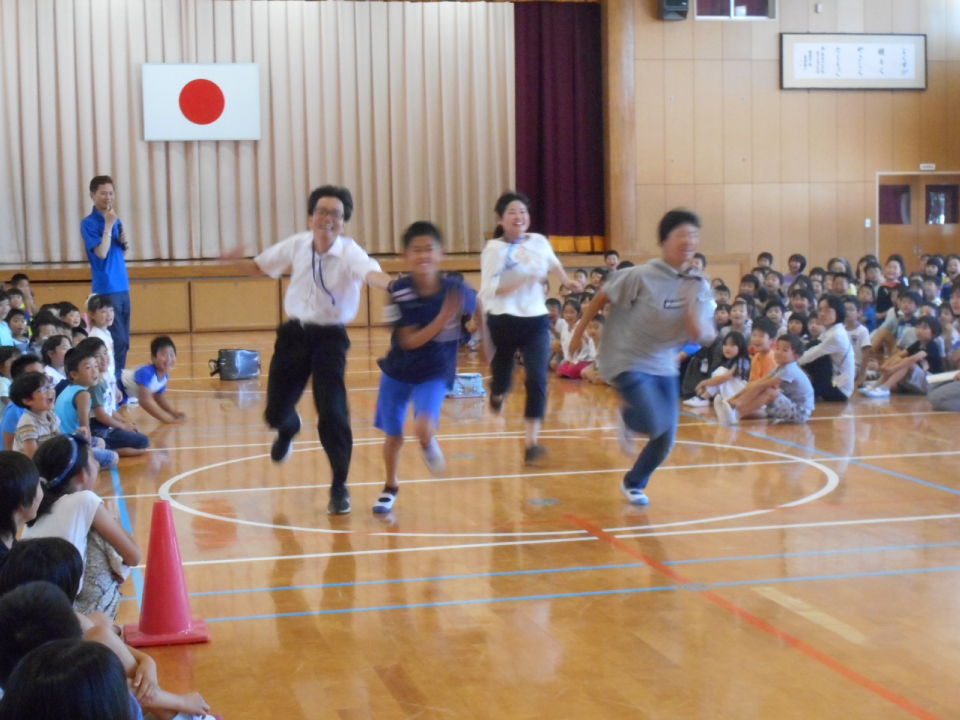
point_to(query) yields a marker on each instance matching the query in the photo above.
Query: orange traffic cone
(165, 618)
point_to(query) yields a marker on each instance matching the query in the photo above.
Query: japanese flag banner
(201, 102)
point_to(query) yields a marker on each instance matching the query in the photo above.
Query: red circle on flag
(201, 101)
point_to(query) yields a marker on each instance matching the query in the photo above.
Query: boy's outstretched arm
(589, 313)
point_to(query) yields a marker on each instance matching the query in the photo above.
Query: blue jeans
(650, 408)
(117, 439)
(120, 330)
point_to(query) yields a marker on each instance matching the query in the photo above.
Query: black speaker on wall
(674, 9)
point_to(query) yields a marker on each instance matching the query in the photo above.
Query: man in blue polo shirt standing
(106, 242)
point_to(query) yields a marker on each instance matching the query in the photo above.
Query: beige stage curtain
(411, 105)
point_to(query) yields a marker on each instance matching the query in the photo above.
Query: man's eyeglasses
(324, 212)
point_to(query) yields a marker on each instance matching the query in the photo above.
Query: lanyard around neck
(318, 261)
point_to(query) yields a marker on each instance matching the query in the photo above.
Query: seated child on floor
(573, 365)
(595, 332)
(148, 383)
(730, 377)
(786, 394)
(762, 338)
(907, 370)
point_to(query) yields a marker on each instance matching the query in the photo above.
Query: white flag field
(219, 101)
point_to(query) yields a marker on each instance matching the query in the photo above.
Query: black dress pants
(320, 350)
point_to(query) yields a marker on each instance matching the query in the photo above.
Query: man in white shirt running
(327, 274)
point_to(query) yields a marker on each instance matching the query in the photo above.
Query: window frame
(772, 14)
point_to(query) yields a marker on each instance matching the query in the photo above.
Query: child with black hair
(13, 412)
(843, 285)
(740, 321)
(597, 276)
(762, 337)
(773, 283)
(70, 314)
(38, 613)
(17, 322)
(796, 264)
(931, 291)
(101, 315)
(797, 325)
(729, 377)
(893, 278)
(573, 364)
(6, 338)
(72, 511)
(765, 260)
(43, 325)
(581, 276)
(611, 258)
(721, 293)
(148, 383)
(595, 332)
(750, 286)
(118, 434)
(801, 301)
(8, 354)
(53, 353)
(554, 310)
(73, 404)
(422, 362)
(785, 395)
(829, 362)
(78, 335)
(20, 496)
(907, 370)
(698, 264)
(866, 296)
(773, 311)
(721, 316)
(859, 338)
(34, 392)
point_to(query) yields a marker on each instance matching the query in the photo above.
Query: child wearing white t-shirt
(573, 364)
(100, 309)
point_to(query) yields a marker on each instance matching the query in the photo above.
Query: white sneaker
(384, 503)
(636, 496)
(877, 393)
(626, 437)
(434, 459)
(868, 386)
(726, 414)
(697, 401)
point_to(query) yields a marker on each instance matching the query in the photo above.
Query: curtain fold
(410, 105)
(559, 131)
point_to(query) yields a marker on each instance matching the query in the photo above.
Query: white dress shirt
(534, 258)
(324, 287)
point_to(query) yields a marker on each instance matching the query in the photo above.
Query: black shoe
(283, 446)
(534, 453)
(339, 501)
(496, 403)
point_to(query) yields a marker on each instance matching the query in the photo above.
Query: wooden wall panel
(906, 131)
(822, 126)
(794, 137)
(678, 90)
(76, 293)
(710, 204)
(651, 130)
(738, 218)
(160, 307)
(851, 130)
(765, 121)
(933, 114)
(737, 122)
(651, 205)
(823, 221)
(804, 163)
(708, 129)
(766, 222)
(795, 220)
(214, 303)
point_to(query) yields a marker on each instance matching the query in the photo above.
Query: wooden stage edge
(181, 296)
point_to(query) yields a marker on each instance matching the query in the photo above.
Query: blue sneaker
(636, 496)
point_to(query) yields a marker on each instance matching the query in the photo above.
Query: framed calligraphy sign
(852, 61)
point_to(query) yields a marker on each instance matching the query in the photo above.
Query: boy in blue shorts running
(422, 363)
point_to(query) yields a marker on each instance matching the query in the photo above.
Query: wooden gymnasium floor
(779, 572)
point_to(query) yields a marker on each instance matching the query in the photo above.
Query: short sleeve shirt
(109, 273)
(11, 417)
(70, 518)
(437, 358)
(647, 324)
(104, 395)
(324, 287)
(532, 258)
(795, 384)
(934, 359)
(762, 365)
(32, 426)
(148, 377)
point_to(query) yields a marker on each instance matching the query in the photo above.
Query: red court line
(821, 657)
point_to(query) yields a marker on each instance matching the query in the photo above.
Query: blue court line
(582, 568)
(136, 573)
(829, 455)
(589, 593)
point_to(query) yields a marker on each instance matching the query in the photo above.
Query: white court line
(386, 551)
(790, 526)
